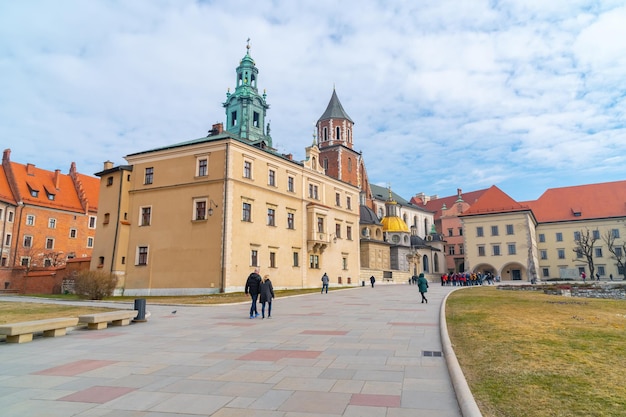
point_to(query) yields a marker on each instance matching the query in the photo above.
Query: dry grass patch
(14, 312)
(529, 354)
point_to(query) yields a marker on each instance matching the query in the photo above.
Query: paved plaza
(361, 352)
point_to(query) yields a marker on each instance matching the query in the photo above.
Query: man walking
(253, 287)
(325, 283)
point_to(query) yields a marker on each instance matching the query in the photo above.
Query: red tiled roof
(581, 202)
(5, 191)
(435, 205)
(494, 200)
(53, 183)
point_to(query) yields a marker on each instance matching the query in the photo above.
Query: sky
(445, 94)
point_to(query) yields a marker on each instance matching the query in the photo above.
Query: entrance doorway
(516, 274)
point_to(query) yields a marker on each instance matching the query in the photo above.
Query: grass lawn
(529, 354)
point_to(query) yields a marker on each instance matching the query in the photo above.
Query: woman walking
(267, 293)
(422, 284)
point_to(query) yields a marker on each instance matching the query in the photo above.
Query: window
(145, 216)
(337, 133)
(28, 241)
(560, 253)
(349, 232)
(255, 119)
(451, 250)
(313, 191)
(344, 263)
(601, 270)
(618, 251)
(496, 250)
(461, 249)
(90, 242)
(100, 261)
(494, 231)
(49, 243)
(52, 223)
(271, 178)
(320, 224)
(460, 231)
(296, 259)
(50, 195)
(579, 253)
(200, 210)
(30, 220)
(246, 214)
(348, 203)
(615, 233)
(337, 199)
(512, 249)
(543, 254)
(598, 252)
(577, 236)
(509, 229)
(314, 261)
(149, 176)
(290, 184)
(542, 237)
(142, 255)
(247, 169)
(479, 231)
(25, 261)
(254, 257)
(73, 233)
(109, 181)
(271, 217)
(545, 272)
(596, 234)
(290, 221)
(203, 167)
(233, 118)
(272, 259)
(481, 251)
(106, 218)
(450, 232)
(559, 237)
(338, 230)
(92, 222)
(7, 239)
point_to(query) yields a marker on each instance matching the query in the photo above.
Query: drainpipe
(222, 254)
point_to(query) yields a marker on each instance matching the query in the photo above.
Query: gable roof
(435, 205)
(581, 202)
(494, 200)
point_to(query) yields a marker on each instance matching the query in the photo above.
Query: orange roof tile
(581, 202)
(436, 205)
(6, 195)
(494, 200)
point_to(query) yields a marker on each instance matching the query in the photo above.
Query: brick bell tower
(334, 140)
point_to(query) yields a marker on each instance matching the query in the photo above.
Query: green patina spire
(246, 108)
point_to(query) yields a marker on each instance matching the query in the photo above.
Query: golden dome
(394, 224)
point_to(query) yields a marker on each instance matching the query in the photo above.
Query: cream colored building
(197, 217)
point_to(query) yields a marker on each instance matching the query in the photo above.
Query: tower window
(255, 119)
(337, 133)
(325, 134)
(233, 118)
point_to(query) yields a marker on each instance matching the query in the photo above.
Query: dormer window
(33, 190)
(49, 194)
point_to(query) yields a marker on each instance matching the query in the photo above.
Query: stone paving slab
(366, 352)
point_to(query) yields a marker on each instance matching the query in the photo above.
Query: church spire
(246, 108)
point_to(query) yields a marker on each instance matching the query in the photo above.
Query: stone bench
(97, 321)
(23, 332)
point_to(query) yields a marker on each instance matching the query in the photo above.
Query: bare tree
(585, 240)
(618, 253)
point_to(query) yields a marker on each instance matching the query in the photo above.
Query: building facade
(197, 217)
(46, 219)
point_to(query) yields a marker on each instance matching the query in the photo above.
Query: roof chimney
(6, 156)
(30, 169)
(57, 178)
(216, 129)
(108, 165)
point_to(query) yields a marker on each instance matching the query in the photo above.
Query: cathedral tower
(246, 108)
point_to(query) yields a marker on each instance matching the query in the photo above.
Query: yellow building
(197, 217)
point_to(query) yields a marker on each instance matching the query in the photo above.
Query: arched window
(425, 263)
(253, 80)
(337, 133)
(325, 137)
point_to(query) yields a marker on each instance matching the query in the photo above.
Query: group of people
(261, 289)
(257, 286)
(467, 279)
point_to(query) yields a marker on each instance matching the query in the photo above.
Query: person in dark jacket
(253, 286)
(422, 284)
(325, 283)
(267, 293)
(372, 280)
